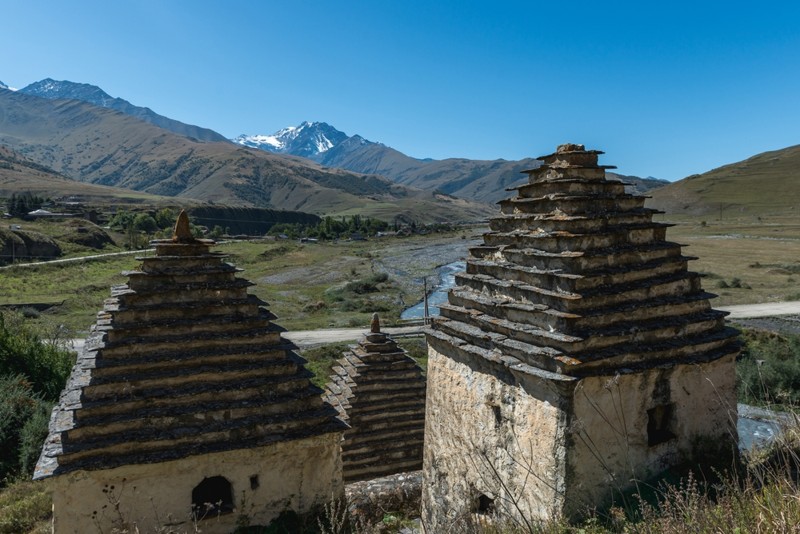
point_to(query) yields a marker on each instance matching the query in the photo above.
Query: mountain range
(59, 132)
(481, 180)
(97, 145)
(54, 89)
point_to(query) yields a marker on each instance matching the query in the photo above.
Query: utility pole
(426, 315)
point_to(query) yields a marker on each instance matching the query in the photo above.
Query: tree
(144, 223)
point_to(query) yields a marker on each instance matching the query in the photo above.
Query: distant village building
(379, 391)
(186, 405)
(575, 355)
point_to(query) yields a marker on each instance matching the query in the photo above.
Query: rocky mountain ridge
(480, 180)
(96, 145)
(55, 89)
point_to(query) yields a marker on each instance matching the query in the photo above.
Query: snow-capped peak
(309, 139)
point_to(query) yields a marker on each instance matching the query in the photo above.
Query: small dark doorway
(484, 505)
(659, 424)
(212, 497)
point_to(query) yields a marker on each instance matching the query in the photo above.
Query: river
(447, 279)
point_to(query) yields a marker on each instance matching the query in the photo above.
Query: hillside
(54, 89)
(765, 184)
(19, 174)
(479, 180)
(102, 146)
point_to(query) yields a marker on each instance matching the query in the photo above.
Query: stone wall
(609, 430)
(265, 481)
(502, 439)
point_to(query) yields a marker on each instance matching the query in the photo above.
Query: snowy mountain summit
(308, 140)
(3, 86)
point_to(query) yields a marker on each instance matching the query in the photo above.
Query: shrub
(18, 405)
(32, 436)
(768, 369)
(22, 352)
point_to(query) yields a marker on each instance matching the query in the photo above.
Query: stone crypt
(576, 355)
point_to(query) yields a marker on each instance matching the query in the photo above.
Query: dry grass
(761, 255)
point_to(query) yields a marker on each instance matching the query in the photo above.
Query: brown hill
(102, 146)
(768, 183)
(19, 174)
(481, 180)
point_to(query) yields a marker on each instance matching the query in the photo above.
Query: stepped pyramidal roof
(379, 390)
(576, 279)
(181, 361)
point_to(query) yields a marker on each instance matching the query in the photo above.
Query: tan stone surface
(291, 476)
(486, 436)
(609, 426)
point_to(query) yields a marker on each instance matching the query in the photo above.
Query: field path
(766, 309)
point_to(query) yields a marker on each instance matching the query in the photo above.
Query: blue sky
(666, 89)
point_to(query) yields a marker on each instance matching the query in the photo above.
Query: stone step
(549, 319)
(165, 391)
(182, 296)
(564, 241)
(165, 311)
(585, 262)
(388, 452)
(257, 339)
(357, 438)
(156, 417)
(143, 282)
(156, 447)
(380, 470)
(147, 377)
(571, 205)
(681, 283)
(374, 411)
(558, 280)
(574, 186)
(652, 330)
(211, 262)
(167, 360)
(225, 325)
(574, 223)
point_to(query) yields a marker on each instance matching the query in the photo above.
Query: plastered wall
(292, 475)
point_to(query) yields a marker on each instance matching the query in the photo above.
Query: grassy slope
(765, 185)
(19, 174)
(101, 146)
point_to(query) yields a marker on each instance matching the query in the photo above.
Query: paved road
(767, 309)
(311, 338)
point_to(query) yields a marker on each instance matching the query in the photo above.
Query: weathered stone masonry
(186, 394)
(379, 390)
(575, 354)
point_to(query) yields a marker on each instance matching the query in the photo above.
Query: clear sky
(666, 89)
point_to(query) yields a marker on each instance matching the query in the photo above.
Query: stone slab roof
(181, 361)
(575, 278)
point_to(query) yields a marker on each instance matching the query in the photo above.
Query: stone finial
(570, 147)
(182, 233)
(375, 325)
